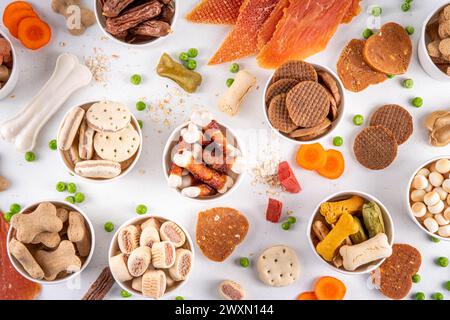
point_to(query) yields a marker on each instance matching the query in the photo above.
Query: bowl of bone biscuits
(303, 102)
(352, 232)
(136, 22)
(151, 256)
(99, 141)
(50, 242)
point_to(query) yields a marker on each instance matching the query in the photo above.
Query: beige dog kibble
(278, 266)
(77, 18)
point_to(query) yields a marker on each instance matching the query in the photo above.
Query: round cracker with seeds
(279, 87)
(117, 146)
(295, 69)
(108, 116)
(279, 115)
(396, 119)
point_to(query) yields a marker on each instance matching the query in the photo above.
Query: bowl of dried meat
(9, 73)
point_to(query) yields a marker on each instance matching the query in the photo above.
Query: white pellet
(423, 172)
(443, 166)
(429, 188)
(431, 198)
(437, 208)
(419, 209)
(431, 225)
(420, 182)
(436, 179)
(417, 195)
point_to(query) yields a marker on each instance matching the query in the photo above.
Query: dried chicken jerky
(269, 27)
(396, 119)
(215, 12)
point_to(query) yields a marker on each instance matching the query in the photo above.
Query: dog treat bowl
(114, 250)
(342, 195)
(335, 123)
(138, 42)
(425, 60)
(62, 277)
(419, 221)
(14, 76)
(126, 166)
(167, 161)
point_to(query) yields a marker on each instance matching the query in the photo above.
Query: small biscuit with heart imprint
(163, 254)
(98, 169)
(19, 251)
(128, 238)
(69, 128)
(119, 268)
(154, 284)
(117, 146)
(278, 266)
(108, 116)
(170, 231)
(182, 266)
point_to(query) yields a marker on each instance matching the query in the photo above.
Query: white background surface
(146, 184)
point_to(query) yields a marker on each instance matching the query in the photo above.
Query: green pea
(70, 199)
(442, 262)
(136, 79)
(141, 123)
(15, 208)
(141, 209)
(79, 197)
(408, 83)
(109, 226)
(410, 30)
(179, 298)
(125, 294)
(192, 53)
(358, 119)
(61, 186)
(390, 76)
(367, 33)
(141, 106)
(234, 68)
(7, 216)
(417, 102)
(416, 278)
(292, 220)
(405, 6)
(437, 296)
(376, 11)
(52, 144)
(338, 141)
(184, 56)
(191, 64)
(435, 240)
(71, 187)
(419, 296)
(286, 225)
(244, 262)
(230, 82)
(447, 285)
(30, 156)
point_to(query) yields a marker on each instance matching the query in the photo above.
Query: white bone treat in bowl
(50, 242)
(9, 65)
(203, 159)
(69, 76)
(99, 141)
(151, 256)
(351, 232)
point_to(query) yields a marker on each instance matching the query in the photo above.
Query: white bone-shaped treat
(69, 75)
(370, 250)
(191, 134)
(201, 118)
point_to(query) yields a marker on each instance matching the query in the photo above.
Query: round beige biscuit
(108, 116)
(278, 266)
(117, 146)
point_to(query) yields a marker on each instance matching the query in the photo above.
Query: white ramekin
(71, 207)
(114, 248)
(388, 224)
(123, 173)
(335, 123)
(14, 76)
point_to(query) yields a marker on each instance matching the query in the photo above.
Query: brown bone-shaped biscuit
(61, 259)
(48, 239)
(78, 233)
(43, 219)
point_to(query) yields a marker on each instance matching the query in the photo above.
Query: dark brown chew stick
(279, 87)
(112, 8)
(298, 70)
(396, 119)
(152, 28)
(101, 286)
(375, 148)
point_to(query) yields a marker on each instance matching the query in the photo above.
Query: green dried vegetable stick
(188, 80)
(360, 236)
(373, 219)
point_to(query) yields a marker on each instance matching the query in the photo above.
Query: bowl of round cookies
(303, 102)
(50, 242)
(99, 141)
(428, 197)
(352, 232)
(151, 256)
(203, 159)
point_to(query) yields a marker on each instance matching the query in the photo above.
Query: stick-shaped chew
(86, 141)
(233, 97)
(48, 239)
(78, 233)
(154, 284)
(43, 219)
(119, 268)
(175, 176)
(62, 259)
(201, 190)
(70, 127)
(128, 239)
(220, 160)
(321, 231)
(25, 258)
(98, 169)
(139, 261)
(163, 254)
(170, 231)
(182, 266)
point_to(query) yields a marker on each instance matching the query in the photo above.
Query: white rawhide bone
(371, 250)
(191, 134)
(201, 118)
(69, 75)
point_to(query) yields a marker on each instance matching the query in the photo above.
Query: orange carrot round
(334, 165)
(16, 17)
(34, 33)
(307, 296)
(329, 288)
(311, 156)
(10, 8)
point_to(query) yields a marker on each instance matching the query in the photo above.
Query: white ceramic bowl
(408, 202)
(70, 207)
(335, 123)
(14, 76)
(114, 249)
(166, 162)
(101, 22)
(427, 64)
(388, 224)
(69, 167)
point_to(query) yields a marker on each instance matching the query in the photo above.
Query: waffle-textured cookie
(295, 69)
(396, 119)
(375, 148)
(279, 115)
(308, 104)
(331, 84)
(279, 87)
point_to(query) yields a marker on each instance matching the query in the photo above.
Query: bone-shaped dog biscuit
(78, 233)
(62, 259)
(48, 239)
(26, 259)
(43, 219)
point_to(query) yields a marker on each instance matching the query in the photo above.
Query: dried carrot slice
(16, 17)
(334, 166)
(311, 156)
(34, 33)
(13, 6)
(329, 288)
(307, 296)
